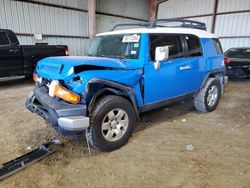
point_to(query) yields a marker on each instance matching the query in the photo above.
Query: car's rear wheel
(208, 97)
(112, 122)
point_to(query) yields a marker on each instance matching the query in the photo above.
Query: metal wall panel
(181, 8)
(22, 17)
(237, 42)
(82, 4)
(232, 5)
(33, 18)
(105, 23)
(132, 8)
(233, 24)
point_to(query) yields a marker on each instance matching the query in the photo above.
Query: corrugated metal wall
(22, 17)
(181, 8)
(120, 11)
(233, 24)
(227, 25)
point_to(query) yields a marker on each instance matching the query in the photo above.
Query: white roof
(197, 32)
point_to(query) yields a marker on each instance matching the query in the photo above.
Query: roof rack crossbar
(141, 24)
(157, 23)
(183, 23)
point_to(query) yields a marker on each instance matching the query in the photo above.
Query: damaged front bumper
(65, 118)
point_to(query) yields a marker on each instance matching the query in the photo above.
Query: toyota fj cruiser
(128, 72)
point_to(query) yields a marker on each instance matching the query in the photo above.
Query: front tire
(112, 122)
(208, 97)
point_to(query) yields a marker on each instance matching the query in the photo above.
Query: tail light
(66, 51)
(226, 60)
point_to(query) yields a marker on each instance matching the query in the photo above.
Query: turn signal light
(66, 95)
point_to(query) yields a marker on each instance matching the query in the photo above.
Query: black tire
(103, 107)
(202, 97)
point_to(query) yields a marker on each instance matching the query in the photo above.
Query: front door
(173, 79)
(11, 60)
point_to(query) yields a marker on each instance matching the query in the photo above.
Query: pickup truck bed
(16, 59)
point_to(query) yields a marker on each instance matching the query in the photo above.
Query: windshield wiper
(109, 56)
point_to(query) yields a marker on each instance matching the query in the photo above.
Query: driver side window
(172, 41)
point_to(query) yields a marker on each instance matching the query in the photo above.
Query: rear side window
(194, 47)
(4, 39)
(172, 41)
(217, 46)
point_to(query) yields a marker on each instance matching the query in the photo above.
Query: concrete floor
(155, 156)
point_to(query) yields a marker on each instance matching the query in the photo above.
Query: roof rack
(180, 23)
(141, 24)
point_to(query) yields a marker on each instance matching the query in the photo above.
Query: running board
(18, 164)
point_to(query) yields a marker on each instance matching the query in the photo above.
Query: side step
(18, 164)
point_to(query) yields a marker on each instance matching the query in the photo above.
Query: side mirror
(161, 54)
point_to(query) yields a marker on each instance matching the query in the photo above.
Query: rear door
(11, 59)
(173, 78)
(195, 60)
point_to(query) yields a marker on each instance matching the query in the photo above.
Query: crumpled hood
(64, 68)
(61, 67)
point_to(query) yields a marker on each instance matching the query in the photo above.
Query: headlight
(37, 78)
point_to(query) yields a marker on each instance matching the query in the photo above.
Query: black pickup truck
(17, 60)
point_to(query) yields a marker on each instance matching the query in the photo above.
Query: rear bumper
(238, 71)
(65, 118)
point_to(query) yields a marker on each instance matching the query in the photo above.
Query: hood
(61, 67)
(86, 68)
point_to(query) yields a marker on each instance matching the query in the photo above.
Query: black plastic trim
(114, 87)
(223, 71)
(50, 109)
(165, 102)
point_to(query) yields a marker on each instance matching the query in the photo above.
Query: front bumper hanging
(65, 118)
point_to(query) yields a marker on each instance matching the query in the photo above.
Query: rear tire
(112, 122)
(208, 97)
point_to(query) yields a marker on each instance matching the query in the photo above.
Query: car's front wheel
(112, 122)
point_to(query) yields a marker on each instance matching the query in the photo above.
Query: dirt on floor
(155, 156)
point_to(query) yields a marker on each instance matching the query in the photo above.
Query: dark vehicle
(237, 61)
(17, 60)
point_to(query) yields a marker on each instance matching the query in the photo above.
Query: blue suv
(128, 72)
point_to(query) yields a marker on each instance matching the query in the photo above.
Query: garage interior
(156, 155)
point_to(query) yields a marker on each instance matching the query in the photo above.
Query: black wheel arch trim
(208, 74)
(113, 87)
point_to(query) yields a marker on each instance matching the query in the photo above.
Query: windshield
(116, 46)
(238, 53)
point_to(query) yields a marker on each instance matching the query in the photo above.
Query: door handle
(185, 67)
(14, 50)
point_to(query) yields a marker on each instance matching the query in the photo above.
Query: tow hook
(18, 164)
